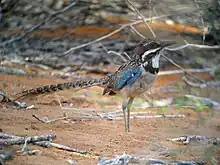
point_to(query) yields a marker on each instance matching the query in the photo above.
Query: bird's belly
(139, 86)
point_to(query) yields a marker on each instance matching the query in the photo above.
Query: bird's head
(148, 51)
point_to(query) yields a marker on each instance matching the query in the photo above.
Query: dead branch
(126, 159)
(187, 139)
(31, 139)
(114, 115)
(120, 113)
(43, 142)
(7, 136)
(46, 120)
(26, 151)
(142, 17)
(174, 162)
(137, 32)
(122, 159)
(113, 52)
(110, 34)
(60, 146)
(170, 72)
(40, 24)
(152, 117)
(82, 110)
(193, 45)
(200, 85)
(190, 83)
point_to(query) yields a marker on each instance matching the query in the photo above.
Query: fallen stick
(42, 143)
(31, 139)
(60, 146)
(122, 159)
(126, 159)
(152, 117)
(7, 136)
(120, 113)
(26, 151)
(110, 34)
(179, 71)
(46, 120)
(171, 162)
(87, 116)
(187, 139)
(108, 116)
(83, 109)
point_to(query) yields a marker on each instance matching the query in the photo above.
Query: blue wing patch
(128, 77)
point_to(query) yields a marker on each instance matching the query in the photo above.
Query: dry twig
(200, 85)
(31, 139)
(187, 139)
(193, 45)
(127, 159)
(60, 146)
(137, 32)
(38, 140)
(180, 71)
(110, 34)
(46, 120)
(142, 17)
(152, 117)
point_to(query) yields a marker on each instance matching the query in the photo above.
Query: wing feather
(127, 77)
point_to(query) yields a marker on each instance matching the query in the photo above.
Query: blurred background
(192, 21)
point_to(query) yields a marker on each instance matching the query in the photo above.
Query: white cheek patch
(156, 61)
(149, 52)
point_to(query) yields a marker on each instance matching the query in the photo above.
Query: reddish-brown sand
(99, 136)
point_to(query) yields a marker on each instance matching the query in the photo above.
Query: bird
(132, 78)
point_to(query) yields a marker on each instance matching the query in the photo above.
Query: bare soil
(99, 136)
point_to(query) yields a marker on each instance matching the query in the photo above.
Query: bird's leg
(131, 99)
(124, 107)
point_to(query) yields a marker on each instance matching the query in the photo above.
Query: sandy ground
(99, 136)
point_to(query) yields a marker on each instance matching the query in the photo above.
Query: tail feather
(59, 87)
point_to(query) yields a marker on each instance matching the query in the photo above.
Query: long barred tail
(59, 87)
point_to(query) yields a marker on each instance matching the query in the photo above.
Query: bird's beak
(166, 43)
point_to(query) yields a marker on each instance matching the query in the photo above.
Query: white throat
(156, 61)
